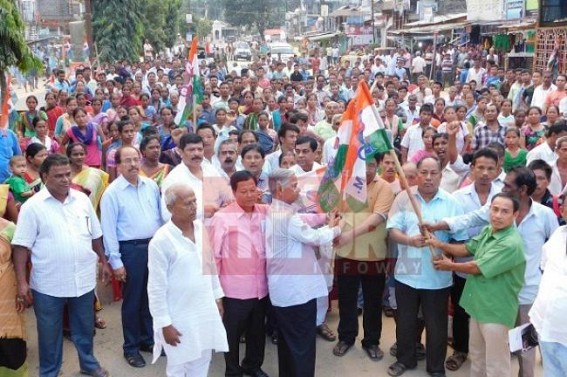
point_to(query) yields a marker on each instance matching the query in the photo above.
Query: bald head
(175, 192)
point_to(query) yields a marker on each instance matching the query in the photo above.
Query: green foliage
(118, 28)
(13, 48)
(172, 19)
(260, 15)
(121, 26)
(203, 27)
(154, 13)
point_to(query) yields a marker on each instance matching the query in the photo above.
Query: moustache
(229, 160)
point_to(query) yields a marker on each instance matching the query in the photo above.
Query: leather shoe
(255, 373)
(150, 349)
(100, 372)
(374, 352)
(341, 348)
(135, 360)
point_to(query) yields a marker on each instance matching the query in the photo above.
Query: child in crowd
(18, 185)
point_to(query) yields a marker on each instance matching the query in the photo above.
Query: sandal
(396, 369)
(326, 333)
(455, 361)
(100, 323)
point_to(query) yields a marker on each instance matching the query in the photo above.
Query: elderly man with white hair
(184, 290)
(295, 280)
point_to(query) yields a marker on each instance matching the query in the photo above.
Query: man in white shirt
(541, 91)
(295, 280)
(417, 66)
(476, 72)
(412, 141)
(130, 213)
(211, 189)
(184, 292)
(548, 311)
(546, 151)
(59, 228)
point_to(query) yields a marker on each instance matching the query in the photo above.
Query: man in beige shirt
(361, 254)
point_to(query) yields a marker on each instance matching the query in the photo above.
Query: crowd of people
(213, 229)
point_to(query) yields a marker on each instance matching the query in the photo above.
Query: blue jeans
(49, 316)
(136, 318)
(554, 357)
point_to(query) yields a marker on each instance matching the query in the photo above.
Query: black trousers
(434, 307)
(296, 344)
(244, 316)
(460, 316)
(371, 277)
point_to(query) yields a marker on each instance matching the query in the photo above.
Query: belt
(136, 242)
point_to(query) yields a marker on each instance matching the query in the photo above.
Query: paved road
(108, 349)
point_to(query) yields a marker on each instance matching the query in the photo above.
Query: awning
(317, 36)
(431, 29)
(519, 25)
(437, 20)
(323, 36)
(350, 11)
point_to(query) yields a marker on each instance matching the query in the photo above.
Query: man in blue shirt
(130, 213)
(9, 147)
(418, 284)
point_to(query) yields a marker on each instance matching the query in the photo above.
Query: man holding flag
(364, 199)
(192, 93)
(418, 284)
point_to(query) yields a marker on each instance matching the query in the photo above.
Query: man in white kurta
(184, 291)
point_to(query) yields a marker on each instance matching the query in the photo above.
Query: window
(553, 12)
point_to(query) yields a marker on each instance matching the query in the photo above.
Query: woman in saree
(91, 181)
(65, 121)
(12, 326)
(151, 167)
(35, 154)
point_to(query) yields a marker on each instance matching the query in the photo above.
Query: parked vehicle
(242, 51)
(281, 51)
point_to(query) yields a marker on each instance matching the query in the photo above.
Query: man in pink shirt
(237, 237)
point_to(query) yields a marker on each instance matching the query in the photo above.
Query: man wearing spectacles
(130, 212)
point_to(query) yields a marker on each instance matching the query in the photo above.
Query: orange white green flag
(360, 136)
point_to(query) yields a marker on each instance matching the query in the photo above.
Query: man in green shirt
(490, 296)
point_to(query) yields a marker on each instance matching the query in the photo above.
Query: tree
(173, 19)
(13, 48)
(118, 29)
(154, 13)
(261, 15)
(203, 27)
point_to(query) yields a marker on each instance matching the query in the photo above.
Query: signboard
(324, 10)
(514, 9)
(359, 30)
(188, 18)
(485, 10)
(360, 40)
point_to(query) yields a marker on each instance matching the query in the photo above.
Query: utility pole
(88, 17)
(373, 22)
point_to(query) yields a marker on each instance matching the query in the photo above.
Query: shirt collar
(503, 232)
(122, 183)
(44, 194)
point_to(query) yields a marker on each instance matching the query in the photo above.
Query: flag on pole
(193, 91)
(360, 136)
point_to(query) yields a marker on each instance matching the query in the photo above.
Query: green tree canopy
(13, 48)
(121, 26)
(260, 15)
(118, 29)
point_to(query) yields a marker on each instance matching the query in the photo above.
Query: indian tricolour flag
(192, 93)
(360, 136)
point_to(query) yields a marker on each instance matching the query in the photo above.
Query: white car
(242, 51)
(281, 51)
